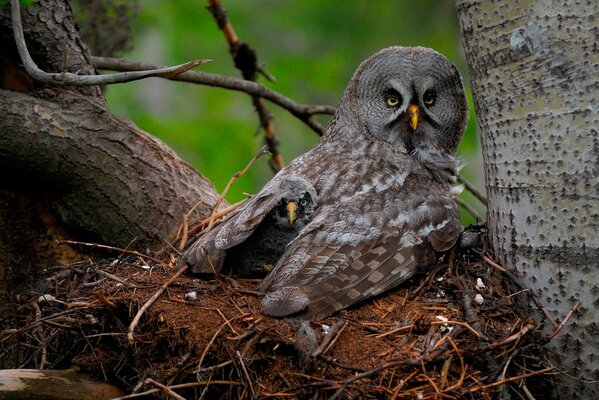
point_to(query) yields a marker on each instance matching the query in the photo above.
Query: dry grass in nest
(428, 339)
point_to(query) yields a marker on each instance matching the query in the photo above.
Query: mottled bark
(70, 168)
(534, 71)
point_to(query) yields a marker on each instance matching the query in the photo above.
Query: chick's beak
(413, 115)
(291, 211)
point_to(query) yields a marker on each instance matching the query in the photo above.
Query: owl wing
(207, 254)
(361, 248)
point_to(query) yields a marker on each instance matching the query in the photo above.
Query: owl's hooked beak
(291, 210)
(414, 115)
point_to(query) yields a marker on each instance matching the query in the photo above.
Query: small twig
(565, 321)
(470, 210)
(494, 264)
(67, 78)
(220, 328)
(246, 60)
(218, 331)
(245, 372)
(470, 187)
(303, 112)
(212, 368)
(334, 332)
(340, 364)
(180, 386)
(105, 247)
(115, 278)
(392, 331)
(515, 280)
(148, 303)
(515, 336)
(104, 300)
(191, 232)
(460, 381)
(235, 176)
(165, 389)
(40, 332)
(511, 379)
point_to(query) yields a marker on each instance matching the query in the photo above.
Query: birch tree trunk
(534, 71)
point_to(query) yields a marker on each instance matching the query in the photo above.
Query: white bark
(534, 68)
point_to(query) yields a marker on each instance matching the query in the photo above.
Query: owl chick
(256, 256)
(254, 236)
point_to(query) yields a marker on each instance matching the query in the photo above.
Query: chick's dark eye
(303, 202)
(393, 99)
(429, 97)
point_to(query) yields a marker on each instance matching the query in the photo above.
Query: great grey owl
(383, 174)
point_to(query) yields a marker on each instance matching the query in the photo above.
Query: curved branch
(303, 112)
(67, 78)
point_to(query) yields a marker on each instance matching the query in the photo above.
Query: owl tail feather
(284, 301)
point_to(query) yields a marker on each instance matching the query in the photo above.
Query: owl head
(410, 98)
(296, 205)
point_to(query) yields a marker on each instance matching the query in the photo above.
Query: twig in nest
(515, 280)
(246, 60)
(190, 232)
(116, 278)
(245, 372)
(511, 379)
(470, 187)
(212, 368)
(165, 389)
(40, 333)
(235, 176)
(460, 382)
(515, 336)
(67, 78)
(330, 338)
(218, 331)
(104, 300)
(494, 264)
(180, 386)
(105, 247)
(565, 321)
(148, 303)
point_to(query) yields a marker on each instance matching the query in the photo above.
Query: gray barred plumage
(382, 174)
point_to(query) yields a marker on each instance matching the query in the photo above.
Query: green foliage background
(311, 47)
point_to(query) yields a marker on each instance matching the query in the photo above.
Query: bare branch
(245, 58)
(302, 111)
(67, 78)
(470, 187)
(470, 210)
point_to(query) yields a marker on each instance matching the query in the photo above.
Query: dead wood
(35, 384)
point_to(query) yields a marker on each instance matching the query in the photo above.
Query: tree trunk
(534, 71)
(70, 168)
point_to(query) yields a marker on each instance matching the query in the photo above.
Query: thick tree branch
(67, 78)
(302, 111)
(103, 176)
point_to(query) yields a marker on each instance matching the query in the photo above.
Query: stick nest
(466, 329)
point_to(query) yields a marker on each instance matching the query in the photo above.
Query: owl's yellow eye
(392, 100)
(429, 97)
